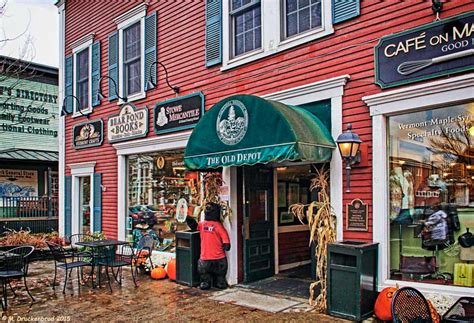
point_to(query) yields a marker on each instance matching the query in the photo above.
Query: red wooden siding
(293, 247)
(181, 48)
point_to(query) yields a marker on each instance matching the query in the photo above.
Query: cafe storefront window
(161, 193)
(431, 195)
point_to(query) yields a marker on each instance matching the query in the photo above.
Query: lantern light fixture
(349, 143)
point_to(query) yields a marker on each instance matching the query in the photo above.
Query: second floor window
(247, 26)
(301, 16)
(132, 59)
(82, 78)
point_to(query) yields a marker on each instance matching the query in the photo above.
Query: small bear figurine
(212, 265)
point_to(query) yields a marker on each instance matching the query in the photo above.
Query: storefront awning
(246, 130)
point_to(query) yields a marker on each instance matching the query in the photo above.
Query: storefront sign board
(178, 114)
(88, 134)
(130, 123)
(357, 216)
(18, 183)
(432, 50)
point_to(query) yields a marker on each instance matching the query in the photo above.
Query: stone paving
(152, 301)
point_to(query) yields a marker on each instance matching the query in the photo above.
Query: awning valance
(246, 130)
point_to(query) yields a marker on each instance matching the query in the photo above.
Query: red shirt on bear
(213, 236)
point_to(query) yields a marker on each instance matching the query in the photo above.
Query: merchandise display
(431, 179)
(161, 193)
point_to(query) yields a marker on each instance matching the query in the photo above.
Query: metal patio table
(97, 254)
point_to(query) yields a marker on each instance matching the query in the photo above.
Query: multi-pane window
(247, 25)
(301, 16)
(82, 78)
(132, 58)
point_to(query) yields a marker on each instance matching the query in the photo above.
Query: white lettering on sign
(239, 158)
(449, 126)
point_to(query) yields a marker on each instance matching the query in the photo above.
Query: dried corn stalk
(322, 225)
(212, 185)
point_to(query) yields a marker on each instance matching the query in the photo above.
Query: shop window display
(431, 195)
(161, 193)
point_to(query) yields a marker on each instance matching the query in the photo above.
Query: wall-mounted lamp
(64, 110)
(437, 7)
(151, 84)
(100, 96)
(348, 143)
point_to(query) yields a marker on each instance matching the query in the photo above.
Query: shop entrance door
(85, 205)
(258, 223)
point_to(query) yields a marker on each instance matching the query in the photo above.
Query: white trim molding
(332, 89)
(82, 168)
(61, 127)
(82, 42)
(131, 16)
(414, 98)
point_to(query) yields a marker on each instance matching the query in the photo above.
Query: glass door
(85, 204)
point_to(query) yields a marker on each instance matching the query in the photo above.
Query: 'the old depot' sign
(440, 48)
(130, 123)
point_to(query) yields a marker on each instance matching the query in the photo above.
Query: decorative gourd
(158, 273)
(171, 269)
(383, 304)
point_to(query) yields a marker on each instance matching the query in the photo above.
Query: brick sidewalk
(151, 301)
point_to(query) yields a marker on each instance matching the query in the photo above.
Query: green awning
(246, 130)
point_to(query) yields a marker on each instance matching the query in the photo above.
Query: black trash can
(188, 249)
(352, 279)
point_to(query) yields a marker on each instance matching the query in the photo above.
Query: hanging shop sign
(357, 216)
(88, 134)
(178, 114)
(130, 123)
(18, 183)
(439, 48)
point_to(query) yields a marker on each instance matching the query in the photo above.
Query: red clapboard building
(158, 93)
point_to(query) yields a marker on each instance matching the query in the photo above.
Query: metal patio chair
(124, 256)
(410, 306)
(67, 261)
(14, 265)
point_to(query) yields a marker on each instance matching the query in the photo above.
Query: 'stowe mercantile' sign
(178, 114)
(88, 134)
(439, 48)
(130, 123)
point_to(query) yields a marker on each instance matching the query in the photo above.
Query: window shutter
(67, 206)
(95, 73)
(150, 48)
(213, 32)
(343, 10)
(113, 65)
(97, 226)
(68, 81)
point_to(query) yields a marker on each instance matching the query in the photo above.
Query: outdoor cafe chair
(124, 256)
(14, 265)
(67, 262)
(144, 248)
(409, 305)
(76, 250)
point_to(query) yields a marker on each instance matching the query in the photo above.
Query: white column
(61, 125)
(335, 174)
(121, 196)
(229, 175)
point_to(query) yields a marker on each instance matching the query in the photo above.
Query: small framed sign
(130, 123)
(178, 114)
(357, 216)
(88, 134)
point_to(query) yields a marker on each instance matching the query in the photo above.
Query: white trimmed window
(253, 29)
(82, 76)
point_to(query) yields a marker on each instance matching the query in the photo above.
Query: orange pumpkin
(143, 253)
(383, 304)
(158, 273)
(171, 269)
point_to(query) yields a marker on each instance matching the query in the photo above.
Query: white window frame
(414, 98)
(129, 18)
(77, 171)
(87, 44)
(272, 28)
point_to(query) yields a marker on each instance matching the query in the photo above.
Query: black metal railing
(28, 207)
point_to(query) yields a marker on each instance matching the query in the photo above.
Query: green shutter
(95, 73)
(97, 226)
(113, 65)
(343, 10)
(213, 32)
(67, 206)
(150, 48)
(68, 81)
